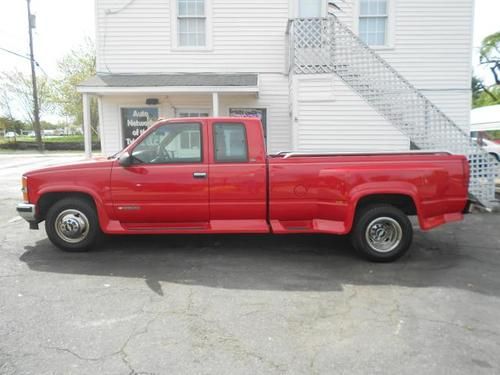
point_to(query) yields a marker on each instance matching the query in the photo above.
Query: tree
(16, 95)
(8, 124)
(76, 66)
(489, 55)
(483, 95)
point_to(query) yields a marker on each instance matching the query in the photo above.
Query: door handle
(199, 175)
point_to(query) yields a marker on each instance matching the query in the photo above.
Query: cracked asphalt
(245, 304)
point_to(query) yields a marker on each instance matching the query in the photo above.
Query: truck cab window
(230, 140)
(171, 143)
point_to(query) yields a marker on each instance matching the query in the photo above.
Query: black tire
(381, 218)
(83, 212)
(496, 156)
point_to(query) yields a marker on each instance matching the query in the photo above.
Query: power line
(15, 53)
(25, 57)
(42, 69)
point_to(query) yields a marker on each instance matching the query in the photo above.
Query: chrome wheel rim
(383, 234)
(72, 226)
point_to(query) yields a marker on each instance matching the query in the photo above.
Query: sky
(60, 26)
(63, 24)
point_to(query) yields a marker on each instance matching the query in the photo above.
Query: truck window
(230, 140)
(171, 143)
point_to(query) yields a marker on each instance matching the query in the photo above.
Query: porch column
(215, 104)
(87, 130)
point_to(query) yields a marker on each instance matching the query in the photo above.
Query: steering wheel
(162, 155)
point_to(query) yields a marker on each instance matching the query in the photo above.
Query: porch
(129, 103)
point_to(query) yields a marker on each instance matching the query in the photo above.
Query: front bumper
(28, 212)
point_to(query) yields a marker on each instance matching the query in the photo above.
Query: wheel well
(404, 202)
(48, 199)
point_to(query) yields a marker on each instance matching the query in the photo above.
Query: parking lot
(252, 304)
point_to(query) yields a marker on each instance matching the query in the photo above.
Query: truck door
(167, 184)
(237, 176)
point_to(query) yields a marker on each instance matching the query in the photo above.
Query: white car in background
(10, 135)
(489, 146)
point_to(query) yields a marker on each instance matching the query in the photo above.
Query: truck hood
(76, 166)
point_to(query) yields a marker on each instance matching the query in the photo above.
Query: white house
(314, 84)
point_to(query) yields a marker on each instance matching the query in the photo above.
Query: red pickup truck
(212, 175)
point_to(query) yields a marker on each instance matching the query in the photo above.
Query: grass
(66, 138)
(58, 139)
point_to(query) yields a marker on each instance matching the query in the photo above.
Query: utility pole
(36, 114)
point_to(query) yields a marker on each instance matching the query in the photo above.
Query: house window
(190, 139)
(191, 23)
(373, 17)
(192, 113)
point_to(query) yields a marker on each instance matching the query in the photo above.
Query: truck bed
(320, 191)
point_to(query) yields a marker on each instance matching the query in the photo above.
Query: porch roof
(169, 83)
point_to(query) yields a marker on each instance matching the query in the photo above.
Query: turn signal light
(24, 189)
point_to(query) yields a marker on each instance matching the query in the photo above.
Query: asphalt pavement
(245, 304)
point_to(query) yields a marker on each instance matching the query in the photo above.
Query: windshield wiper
(114, 155)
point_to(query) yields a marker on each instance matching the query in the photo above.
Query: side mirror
(125, 159)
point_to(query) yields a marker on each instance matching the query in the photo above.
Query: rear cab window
(230, 143)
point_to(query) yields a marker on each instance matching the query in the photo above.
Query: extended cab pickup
(212, 175)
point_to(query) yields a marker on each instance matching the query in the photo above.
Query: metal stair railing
(326, 45)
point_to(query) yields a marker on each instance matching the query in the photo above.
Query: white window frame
(174, 28)
(180, 109)
(190, 139)
(390, 25)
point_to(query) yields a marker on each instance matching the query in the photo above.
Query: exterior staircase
(326, 45)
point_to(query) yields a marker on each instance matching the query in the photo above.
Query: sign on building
(135, 121)
(260, 113)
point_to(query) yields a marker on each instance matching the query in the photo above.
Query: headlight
(24, 189)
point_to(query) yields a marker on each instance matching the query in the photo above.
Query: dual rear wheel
(381, 233)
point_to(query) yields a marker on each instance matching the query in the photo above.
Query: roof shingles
(165, 80)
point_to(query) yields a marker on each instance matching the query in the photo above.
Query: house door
(311, 41)
(311, 8)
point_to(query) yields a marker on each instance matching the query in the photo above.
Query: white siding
(430, 46)
(455, 104)
(342, 122)
(247, 36)
(274, 97)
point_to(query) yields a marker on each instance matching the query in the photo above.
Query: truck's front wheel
(72, 224)
(382, 233)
